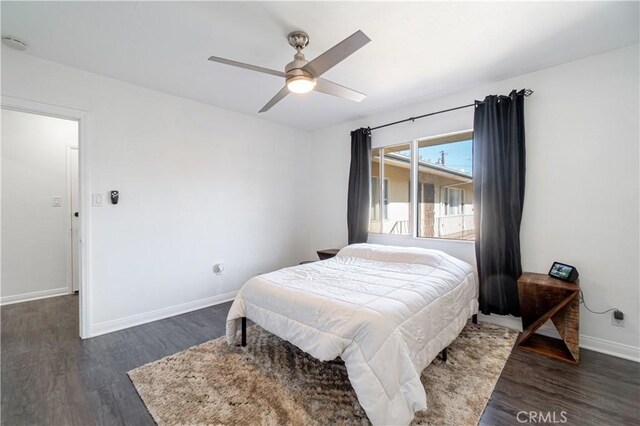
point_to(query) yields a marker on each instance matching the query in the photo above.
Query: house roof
(440, 170)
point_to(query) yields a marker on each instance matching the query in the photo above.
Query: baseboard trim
(158, 314)
(608, 347)
(26, 297)
(596, 344)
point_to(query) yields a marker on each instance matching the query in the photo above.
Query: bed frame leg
(244, 331)
(444, 355)
(474, 318)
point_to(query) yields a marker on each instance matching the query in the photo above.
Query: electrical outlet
(617, 318)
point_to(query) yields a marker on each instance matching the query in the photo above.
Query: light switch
(96, 199)
(56, 201)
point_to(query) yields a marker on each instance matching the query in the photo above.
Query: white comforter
(386, 311)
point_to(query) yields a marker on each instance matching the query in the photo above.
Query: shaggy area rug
(271, 382)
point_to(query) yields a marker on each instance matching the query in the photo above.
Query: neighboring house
(445, 199)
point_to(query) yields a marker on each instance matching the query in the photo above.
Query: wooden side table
(542, 298)
(327, 253)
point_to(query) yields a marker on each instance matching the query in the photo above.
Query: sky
(458, 155)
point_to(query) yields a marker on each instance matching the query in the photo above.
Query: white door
(75, 221)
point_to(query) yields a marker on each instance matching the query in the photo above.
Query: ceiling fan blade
(336, 54)
(277, 98)
(247, 66)
(331, 88)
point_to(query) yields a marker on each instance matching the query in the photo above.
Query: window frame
(414, 184)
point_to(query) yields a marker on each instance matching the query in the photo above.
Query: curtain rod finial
(528, 92)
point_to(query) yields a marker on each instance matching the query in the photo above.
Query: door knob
(76, 214)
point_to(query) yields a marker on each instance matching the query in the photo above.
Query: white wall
(198, 185)
(35, 235)
(582, 131)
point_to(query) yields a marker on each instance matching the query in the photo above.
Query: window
(453, 201)
(394, 165)
(375, 199)
(443, 174)
(374, 216)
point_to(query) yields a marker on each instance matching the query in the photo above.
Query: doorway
(84, 120)
(40, 235)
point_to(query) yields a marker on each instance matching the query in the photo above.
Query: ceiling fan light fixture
(302, 76)
(301, 84)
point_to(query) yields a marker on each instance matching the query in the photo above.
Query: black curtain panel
(498, 179)
(359, 182)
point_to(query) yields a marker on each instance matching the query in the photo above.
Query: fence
(459, 227)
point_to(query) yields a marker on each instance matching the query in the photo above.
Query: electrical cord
(594, 312)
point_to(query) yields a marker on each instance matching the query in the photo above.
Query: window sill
(379, 236)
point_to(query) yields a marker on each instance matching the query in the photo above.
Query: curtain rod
(527, 93)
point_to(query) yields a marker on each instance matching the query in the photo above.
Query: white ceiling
(418, 50)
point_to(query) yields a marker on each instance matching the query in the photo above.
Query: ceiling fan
(302, 76)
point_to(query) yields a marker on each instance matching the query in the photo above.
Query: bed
(386, 311)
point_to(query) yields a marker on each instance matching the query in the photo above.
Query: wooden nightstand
(542, 298)
(327, 253)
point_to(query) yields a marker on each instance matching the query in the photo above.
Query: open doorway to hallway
(39, 207)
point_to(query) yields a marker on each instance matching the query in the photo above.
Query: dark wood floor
(49, 376)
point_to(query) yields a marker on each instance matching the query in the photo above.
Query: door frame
(85, 124)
